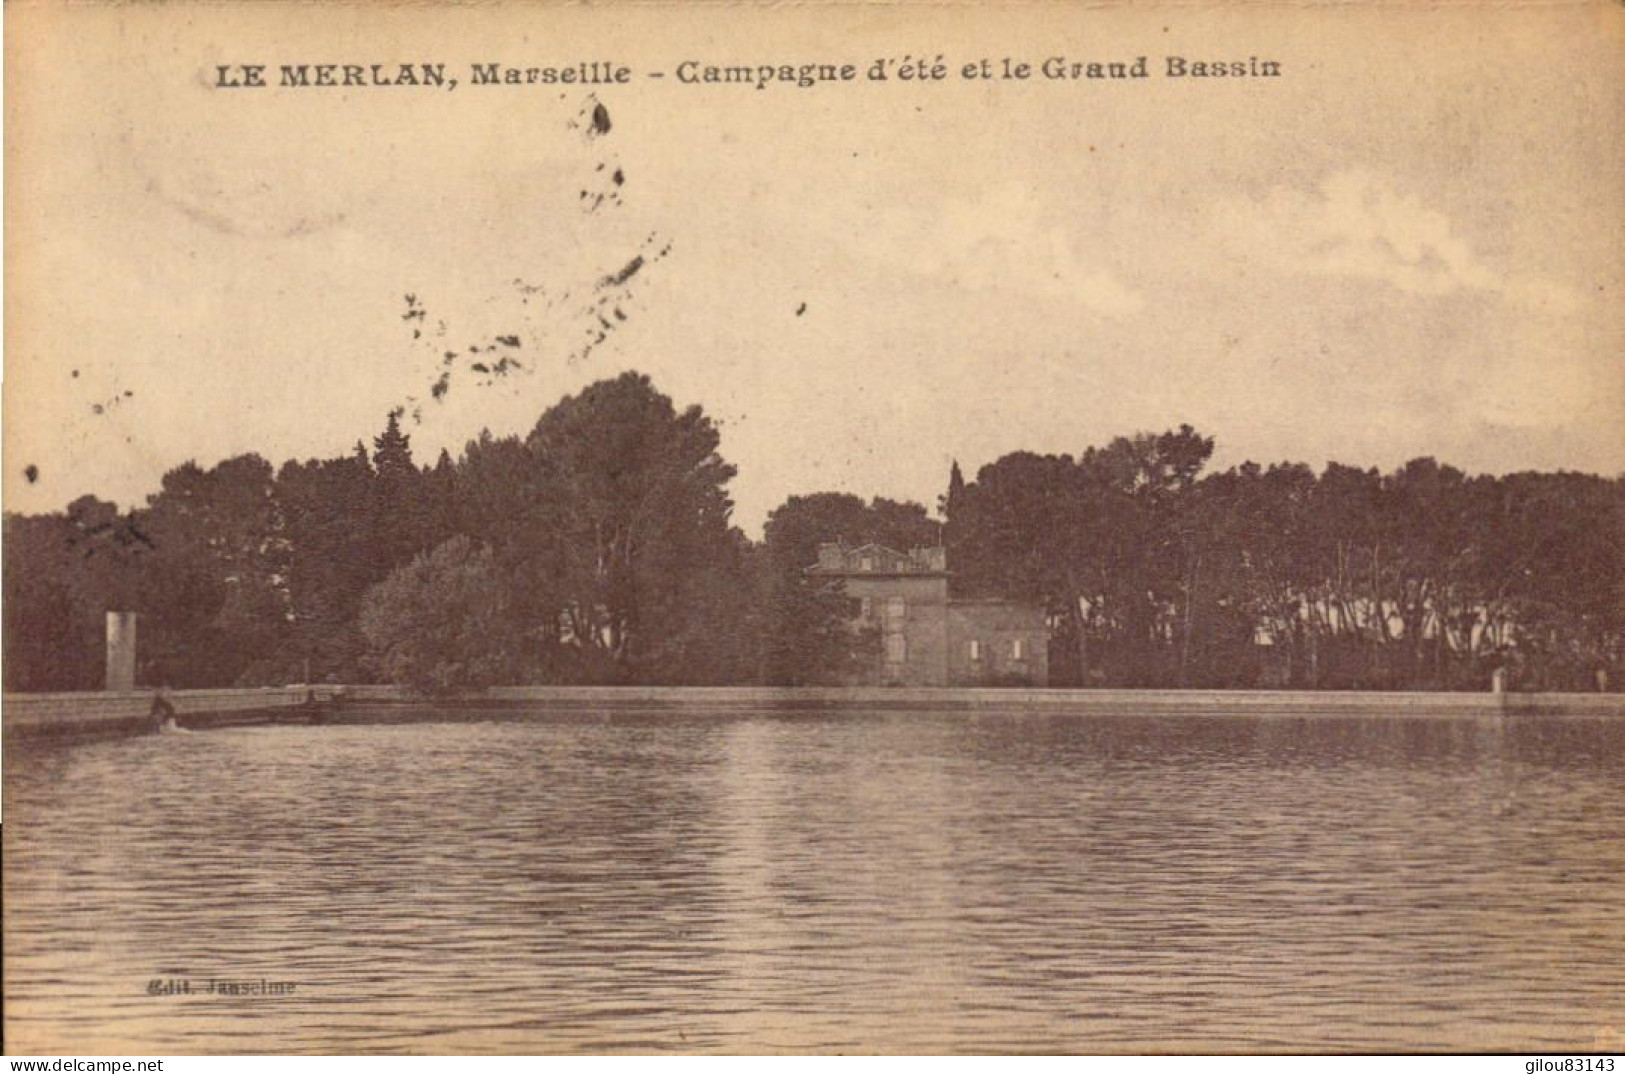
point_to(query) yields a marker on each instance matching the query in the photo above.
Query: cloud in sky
(1397, 251)
(1361, 226)
(1001, 238)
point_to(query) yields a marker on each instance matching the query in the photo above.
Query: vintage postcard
(820, 527)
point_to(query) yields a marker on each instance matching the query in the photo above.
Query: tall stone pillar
(121, 650)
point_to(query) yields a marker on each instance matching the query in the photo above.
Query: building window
(866, 607)
(896, 648)
(896, 607)
(1018, 649)
(975, 650)
(867, 563)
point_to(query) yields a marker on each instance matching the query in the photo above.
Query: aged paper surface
(1404, 244)
(870, 239)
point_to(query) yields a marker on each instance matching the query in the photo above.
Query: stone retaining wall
(36, 713)
(72, 713)
(1201, 702)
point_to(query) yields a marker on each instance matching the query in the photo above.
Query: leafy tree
(807, 637)
(1105, 542)
(212, 586)
(949, 507)
(639, 524)
(63, 573)
(442, 623)
(398, 496)
(332, 561)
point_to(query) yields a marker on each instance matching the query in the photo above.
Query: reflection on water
(832, 883)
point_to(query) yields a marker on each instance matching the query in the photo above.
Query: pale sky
(1411, 243)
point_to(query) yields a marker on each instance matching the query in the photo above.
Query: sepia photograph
(704, 528)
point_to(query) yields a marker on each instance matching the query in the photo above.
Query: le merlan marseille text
(904, 69)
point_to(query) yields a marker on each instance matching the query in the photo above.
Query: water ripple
(618, 882)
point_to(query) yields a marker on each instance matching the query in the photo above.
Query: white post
(121, 650)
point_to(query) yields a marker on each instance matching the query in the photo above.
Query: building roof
(872, 559)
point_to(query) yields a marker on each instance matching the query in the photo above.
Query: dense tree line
(599, 548)
(1424, 578)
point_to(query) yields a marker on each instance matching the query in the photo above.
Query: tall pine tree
(396, 496)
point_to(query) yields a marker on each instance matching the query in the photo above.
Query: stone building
(928, 638)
